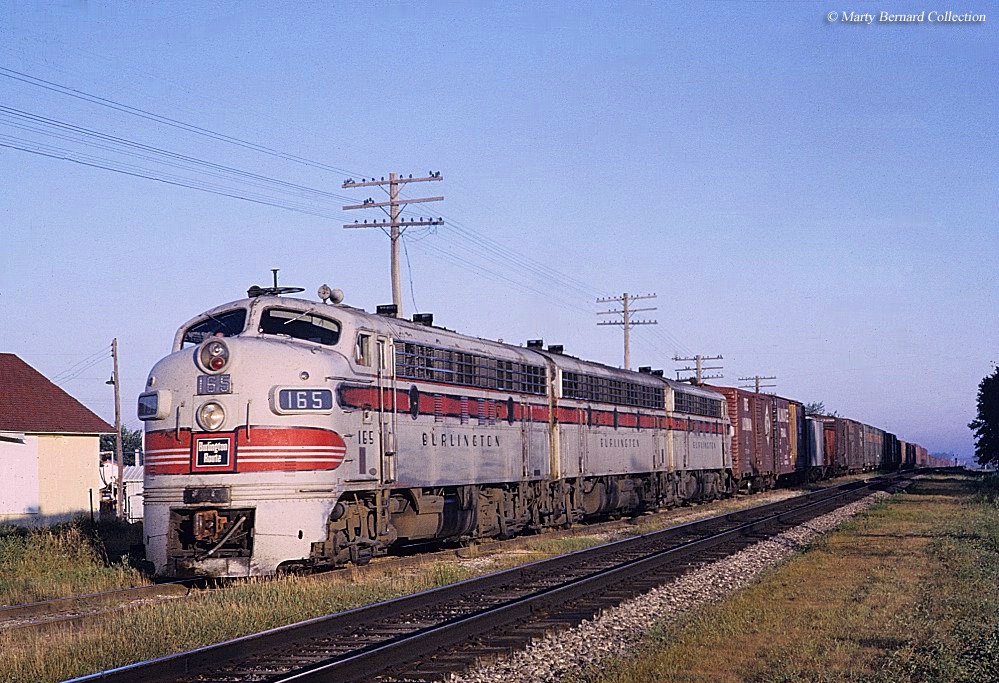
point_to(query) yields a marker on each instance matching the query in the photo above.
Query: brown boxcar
(752, 439)
(829, 434)
(873, 446)
(742, 434)
(799, 437)
(890, 453)
(784, 452)
(763, 437)
(849, 453)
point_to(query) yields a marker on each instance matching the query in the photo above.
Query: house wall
(19, 495)
(68, 469)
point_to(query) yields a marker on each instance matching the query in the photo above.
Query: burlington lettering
(452, 440)
(616, 442)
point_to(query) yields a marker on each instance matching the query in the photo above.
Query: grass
(905, 592)
(71, 559)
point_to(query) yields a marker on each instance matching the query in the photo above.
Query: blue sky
(811, 199)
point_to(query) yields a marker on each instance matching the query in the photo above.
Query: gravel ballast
(617, 630)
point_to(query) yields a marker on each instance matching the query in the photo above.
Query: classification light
(214, 355)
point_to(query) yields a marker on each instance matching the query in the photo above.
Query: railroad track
(78, 608)
(427, 636)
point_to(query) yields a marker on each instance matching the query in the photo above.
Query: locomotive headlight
(214, 355)
(211, 416)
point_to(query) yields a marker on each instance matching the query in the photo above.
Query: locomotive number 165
(305, 399)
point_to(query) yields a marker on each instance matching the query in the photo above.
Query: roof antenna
(257, 290)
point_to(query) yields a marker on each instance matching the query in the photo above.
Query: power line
(65, 155)
(485, 247)
(535, 266)
(165, 120)
(409, 271)
(70, 377)
(114, 139)
(52, 152)
(78, 363)
(482, 271)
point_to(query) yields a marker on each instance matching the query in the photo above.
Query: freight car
(284, 434)
(769, 439)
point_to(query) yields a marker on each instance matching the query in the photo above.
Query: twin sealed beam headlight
(214, 355)
(211, 415)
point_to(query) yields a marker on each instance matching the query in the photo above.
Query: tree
(815, 408)
(986, 425)
(818, 409)
(131, 441)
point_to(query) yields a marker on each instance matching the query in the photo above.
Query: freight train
(283, 434)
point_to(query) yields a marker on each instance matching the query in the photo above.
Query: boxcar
(752, 418)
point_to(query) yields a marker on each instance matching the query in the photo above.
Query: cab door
(384, 358)
(526, 438)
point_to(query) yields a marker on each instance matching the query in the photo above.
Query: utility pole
(396, 225)
(626, 322)
(699, 367)
(756, 379)
(119, 458)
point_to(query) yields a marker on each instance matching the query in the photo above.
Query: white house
(49, 449)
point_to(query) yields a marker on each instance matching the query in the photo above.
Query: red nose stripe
(168, 452)
(289, 450)
(266, 449)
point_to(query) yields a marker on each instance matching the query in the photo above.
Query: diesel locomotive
(283, 434)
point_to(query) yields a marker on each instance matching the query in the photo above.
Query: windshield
(227, 324)
(300, 325)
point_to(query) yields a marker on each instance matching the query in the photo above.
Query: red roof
(30, 403)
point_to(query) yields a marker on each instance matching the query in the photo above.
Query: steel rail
(368, 659)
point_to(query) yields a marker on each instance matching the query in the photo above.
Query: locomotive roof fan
(257, 290)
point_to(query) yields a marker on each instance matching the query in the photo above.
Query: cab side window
(362, 350)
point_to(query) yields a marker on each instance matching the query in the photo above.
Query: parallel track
(426, 636)
(77, 608)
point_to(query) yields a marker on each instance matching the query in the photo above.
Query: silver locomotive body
(284, 434)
